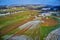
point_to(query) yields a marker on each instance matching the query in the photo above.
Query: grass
(41, 31)
(44, 31)
(9, 19)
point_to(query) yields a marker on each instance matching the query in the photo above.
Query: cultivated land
(25, 23)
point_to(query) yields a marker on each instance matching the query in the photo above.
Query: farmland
(26, 22)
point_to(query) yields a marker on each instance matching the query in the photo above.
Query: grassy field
(13, 18)
(10, 21)
(45, 30)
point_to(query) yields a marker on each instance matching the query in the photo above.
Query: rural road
(23, 28)
(33, 23)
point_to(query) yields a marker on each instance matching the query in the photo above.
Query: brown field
(49, 22)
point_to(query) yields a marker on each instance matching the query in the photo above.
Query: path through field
(26, 27)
